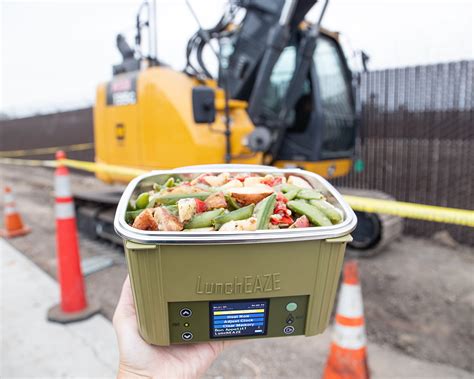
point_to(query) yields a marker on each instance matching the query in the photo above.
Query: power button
(291, 307)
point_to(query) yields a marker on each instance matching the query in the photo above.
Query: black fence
(56, 129)
(418, 139)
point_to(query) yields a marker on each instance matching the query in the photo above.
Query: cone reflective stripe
(13, 223)
(73, 306)
(348, 354)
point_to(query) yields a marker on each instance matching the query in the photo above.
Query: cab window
(335, 97)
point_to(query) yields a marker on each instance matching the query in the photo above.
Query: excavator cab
(322, 123)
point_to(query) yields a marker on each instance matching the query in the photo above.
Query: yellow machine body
(154, 127)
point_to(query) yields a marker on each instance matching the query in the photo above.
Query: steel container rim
(260, 236)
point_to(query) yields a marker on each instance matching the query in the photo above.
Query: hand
(138, 359)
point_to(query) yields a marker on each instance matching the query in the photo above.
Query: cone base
(56, 314)
(14, 233)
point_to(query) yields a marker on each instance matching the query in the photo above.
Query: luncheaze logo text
(246, 284)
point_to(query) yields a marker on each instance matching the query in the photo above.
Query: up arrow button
(185, 312)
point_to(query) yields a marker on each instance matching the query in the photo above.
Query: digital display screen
(238, 318)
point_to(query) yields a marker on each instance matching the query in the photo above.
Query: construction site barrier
(363, 204)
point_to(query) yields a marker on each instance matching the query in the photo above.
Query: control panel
(247, 318)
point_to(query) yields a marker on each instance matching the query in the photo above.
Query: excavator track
(95, 212)
(374, 231)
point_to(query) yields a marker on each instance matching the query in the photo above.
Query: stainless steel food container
(187, 285)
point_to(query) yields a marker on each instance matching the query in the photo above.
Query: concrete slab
(33, 347)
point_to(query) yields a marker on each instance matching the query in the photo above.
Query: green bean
(131, 206)
(239, 214)
(314, 214)
(142, 200)
(328, 209)
(130, 216)
(309, 194)
(233, 204)
(289, 187)
(173, 209)
(264, 210)
(290, 195)
(170, 182)
(204, 220)
(171, 198)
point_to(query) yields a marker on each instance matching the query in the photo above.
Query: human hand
(138, 359)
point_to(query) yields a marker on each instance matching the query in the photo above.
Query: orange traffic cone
(348, 354)
(13, 223)
(74, 305)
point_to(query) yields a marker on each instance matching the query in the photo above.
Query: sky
(54, 53)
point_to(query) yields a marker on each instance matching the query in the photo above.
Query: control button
(187, 336)
(288, 329)
(185, 312)
(290, 319)
(291, 307)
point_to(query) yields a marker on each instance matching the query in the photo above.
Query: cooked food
(231, 202)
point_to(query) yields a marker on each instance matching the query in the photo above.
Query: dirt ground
(418, 294)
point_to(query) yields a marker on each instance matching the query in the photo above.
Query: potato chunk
(216, 200)
(145, 221)
(249, 224)
(298, 182)
(251, 195)
(186, 209)
(167, 221)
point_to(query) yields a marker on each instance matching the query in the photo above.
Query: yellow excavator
(283, 95)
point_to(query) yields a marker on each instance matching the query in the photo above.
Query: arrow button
(187, 336)
(185, 312)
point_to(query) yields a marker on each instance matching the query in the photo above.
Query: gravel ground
(418, 294)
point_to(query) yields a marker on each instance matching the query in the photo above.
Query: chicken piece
(186, 209)
(249, 224)
(216, 200)
(183, 189)
(251, 195)
(232, 184)
(145, 221)
(300, 222)
(198, 179)
(217, 181)
(298, 182)
(253, 180)
(166, 221)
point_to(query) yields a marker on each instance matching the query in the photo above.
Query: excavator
(283, 95)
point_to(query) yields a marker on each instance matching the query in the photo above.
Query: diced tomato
(200, 206)
(280, 208)
(281, 197)
(286, 220)
(242, 177)
(274, 221)
(272, 182)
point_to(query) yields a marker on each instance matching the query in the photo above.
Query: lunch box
(205, 286)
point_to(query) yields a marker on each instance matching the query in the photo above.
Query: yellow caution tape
(412, 210)
(102, 167)
(46, 150)
(362, 204)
